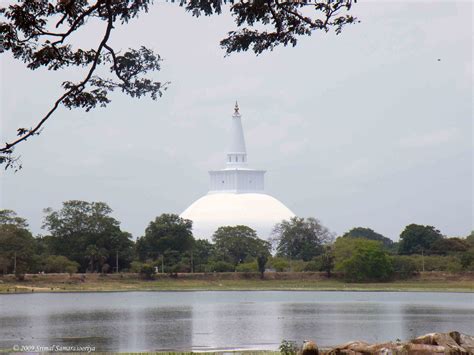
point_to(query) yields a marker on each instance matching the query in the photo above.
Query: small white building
(236, 195)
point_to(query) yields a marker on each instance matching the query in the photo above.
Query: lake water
(148, 321)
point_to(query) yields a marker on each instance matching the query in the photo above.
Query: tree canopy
(59, 264)
(41, 34)
(84, 237)
(470, 238)
(16, 243)
(86, 233)
(362, 260)
(239, 244)
(203, 251)
(416, 239)
(10, 217)
(300, 238)
(168, 233)
(367, 233)
(445, 246)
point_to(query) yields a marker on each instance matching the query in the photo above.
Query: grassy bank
(227, 282)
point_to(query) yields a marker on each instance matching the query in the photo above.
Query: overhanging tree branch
(27, 32)
(90, 91)
(74, 89)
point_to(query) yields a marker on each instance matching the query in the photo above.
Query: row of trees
(84, 237)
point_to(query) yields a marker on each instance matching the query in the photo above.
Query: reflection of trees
(125, 329)
(15, 328)
(212, 319)
(90, 328)
(239, 324)
(167, 328)
(422, 319)
(331, 323)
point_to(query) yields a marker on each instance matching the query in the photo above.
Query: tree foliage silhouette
(41, 34)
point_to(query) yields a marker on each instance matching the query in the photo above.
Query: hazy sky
(366, 128)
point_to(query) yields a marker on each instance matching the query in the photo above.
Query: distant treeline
(83, 237)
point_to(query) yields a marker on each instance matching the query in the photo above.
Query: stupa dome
(237, 195)
(258, 211)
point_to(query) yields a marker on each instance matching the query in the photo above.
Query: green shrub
(59, 264)
(202, 268)
(247, 267)
(279, 264)
(447, 246)
(136, 266)
(467, 260)
(71, 269)
(365, 260)
(449, 263)
(221, 266)
(147, 271)
(469, 267)
(262, 263)
(298, 265)
(105, 268)
(179, 267)
(454, 265)
(404, 266)
(314, 265)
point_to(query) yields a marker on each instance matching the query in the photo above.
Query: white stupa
(236, 195)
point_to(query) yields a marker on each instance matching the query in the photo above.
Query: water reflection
(225, 325)
(147, 321)
(149, 329)
(332, 323)
(419, 319)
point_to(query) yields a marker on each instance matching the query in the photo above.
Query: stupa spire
(237, 153)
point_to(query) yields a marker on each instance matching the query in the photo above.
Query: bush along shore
(83, 237)
(93, 282)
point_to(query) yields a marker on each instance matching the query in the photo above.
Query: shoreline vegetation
(84, 239)
(231, 281)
